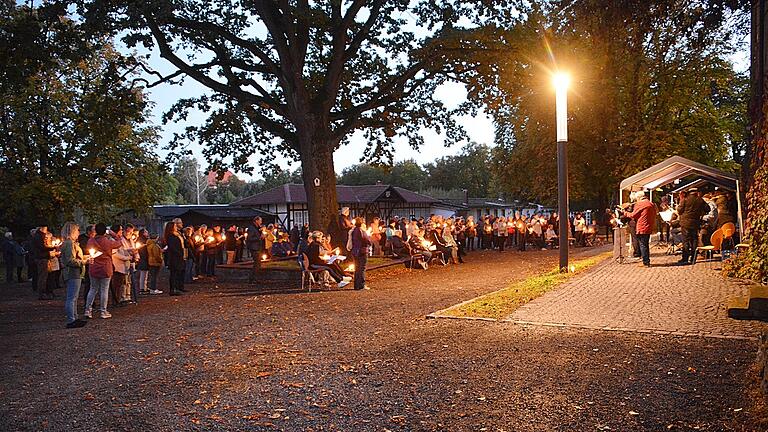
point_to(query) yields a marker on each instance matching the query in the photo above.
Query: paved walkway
(662, 299)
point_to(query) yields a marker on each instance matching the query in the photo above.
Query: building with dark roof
(195, 215)
(289, 202)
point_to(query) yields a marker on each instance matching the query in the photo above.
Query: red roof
(213, 178)
(294, 193)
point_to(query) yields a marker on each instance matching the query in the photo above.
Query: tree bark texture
(317, 163)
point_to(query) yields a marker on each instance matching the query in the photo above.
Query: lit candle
(91, 251)
(223, 236)
(264, 257)
(572, 268)
(198, 238)
(210, 239)
(351, 267)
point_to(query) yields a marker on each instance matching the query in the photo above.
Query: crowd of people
(119, 263)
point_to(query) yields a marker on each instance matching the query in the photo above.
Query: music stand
(666, 217)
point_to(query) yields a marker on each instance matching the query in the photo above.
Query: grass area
(500, 304)
(291, 264)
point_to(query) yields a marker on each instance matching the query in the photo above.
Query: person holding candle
(73, 261)
(142, 266)
(154, 262)
(121, 261)
(315, 255)
(471, 233)
(435, 237)
(240, 244)
(41, 252)
(269, 240)
(360, 243)
(132, 278)
(450, 241)
(100, 249)
(255, 244)
(420, 246)
(199, 242)
(500, 227)
(579, 225)
(90, 232)
(209, 253)
(176, 254)
(376, 235)
(54, 266)
(189, 263)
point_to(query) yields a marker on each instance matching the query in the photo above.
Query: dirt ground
(244, 357)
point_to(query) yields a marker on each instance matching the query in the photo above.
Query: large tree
(299, 77)
(72, 134)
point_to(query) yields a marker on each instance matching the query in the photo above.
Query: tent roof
(674, 168)
(698, 182)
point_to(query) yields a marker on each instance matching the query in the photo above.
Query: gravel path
(229, 357)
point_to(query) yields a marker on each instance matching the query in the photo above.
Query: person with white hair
(73, 270)
(644, 213)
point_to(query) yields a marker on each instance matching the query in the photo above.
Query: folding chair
(716, 243)
(729, 229)
(313, 276)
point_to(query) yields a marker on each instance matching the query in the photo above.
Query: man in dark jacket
(255, 244)
(360, 243)
(41, 252)
(691, 210)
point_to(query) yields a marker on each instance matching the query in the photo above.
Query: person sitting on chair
(317, 262)
(400, 249)
(416, 242)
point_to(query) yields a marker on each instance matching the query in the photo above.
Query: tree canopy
(72, 128)
(406, 174)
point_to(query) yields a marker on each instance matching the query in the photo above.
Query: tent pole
(738, 201)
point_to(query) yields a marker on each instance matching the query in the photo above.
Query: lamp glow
(561, 82)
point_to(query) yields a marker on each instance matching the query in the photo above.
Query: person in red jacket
(644, 213)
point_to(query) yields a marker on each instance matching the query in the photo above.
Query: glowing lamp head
(561, 82)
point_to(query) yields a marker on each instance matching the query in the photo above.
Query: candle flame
(264, 257)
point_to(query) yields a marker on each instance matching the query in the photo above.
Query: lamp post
(561, 82)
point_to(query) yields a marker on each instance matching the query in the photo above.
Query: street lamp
(561, 82)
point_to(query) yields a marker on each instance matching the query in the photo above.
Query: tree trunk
(317, 165)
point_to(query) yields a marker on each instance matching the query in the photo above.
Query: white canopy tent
(676, 168)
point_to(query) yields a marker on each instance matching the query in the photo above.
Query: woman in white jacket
(121, 261)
